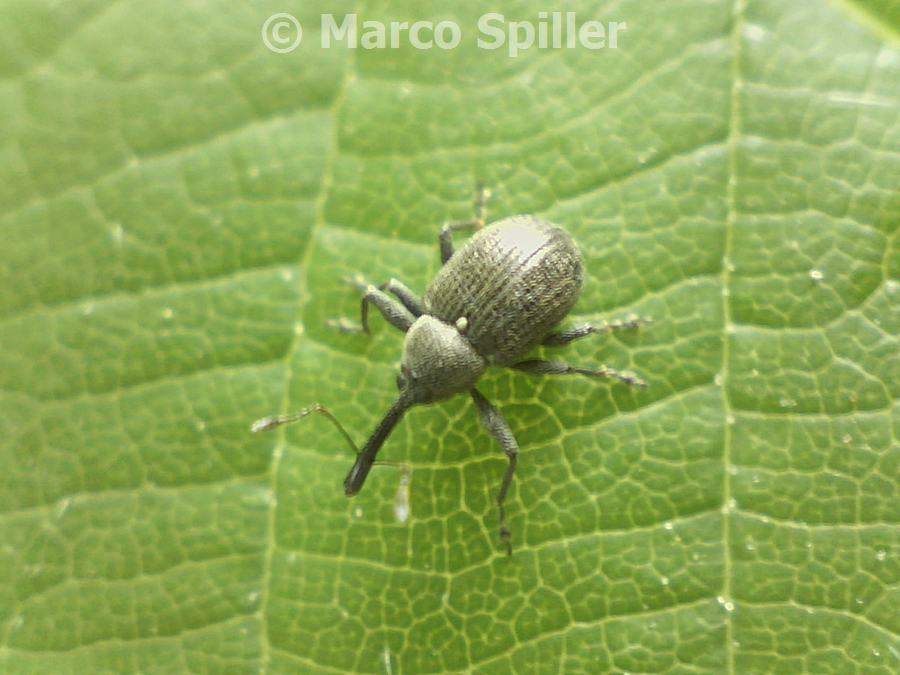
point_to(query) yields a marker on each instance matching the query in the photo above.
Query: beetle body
(501, 295)
(494, 300)
(512, 282)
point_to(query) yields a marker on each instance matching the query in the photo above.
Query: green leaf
(178, 205)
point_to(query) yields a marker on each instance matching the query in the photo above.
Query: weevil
(502, 294)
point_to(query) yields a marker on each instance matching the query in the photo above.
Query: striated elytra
(498, 297)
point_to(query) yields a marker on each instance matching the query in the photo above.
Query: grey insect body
(497, 298)
(513, 281)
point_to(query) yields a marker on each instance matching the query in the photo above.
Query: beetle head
(438, 361)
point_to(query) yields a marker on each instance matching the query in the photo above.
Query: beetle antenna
(267, 423)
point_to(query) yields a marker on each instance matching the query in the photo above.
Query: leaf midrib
(734, 133)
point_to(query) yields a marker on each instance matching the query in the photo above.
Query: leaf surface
(178, 206)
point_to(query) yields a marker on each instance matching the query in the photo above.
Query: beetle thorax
(438, 361)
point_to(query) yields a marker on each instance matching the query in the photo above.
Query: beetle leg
(344, 325)
(445, 237)
(448, 229)
(399, 315)
(496, 425)
(482, 194)
(539, 367)
(564, 337)
(404, 294)
(396, 314)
